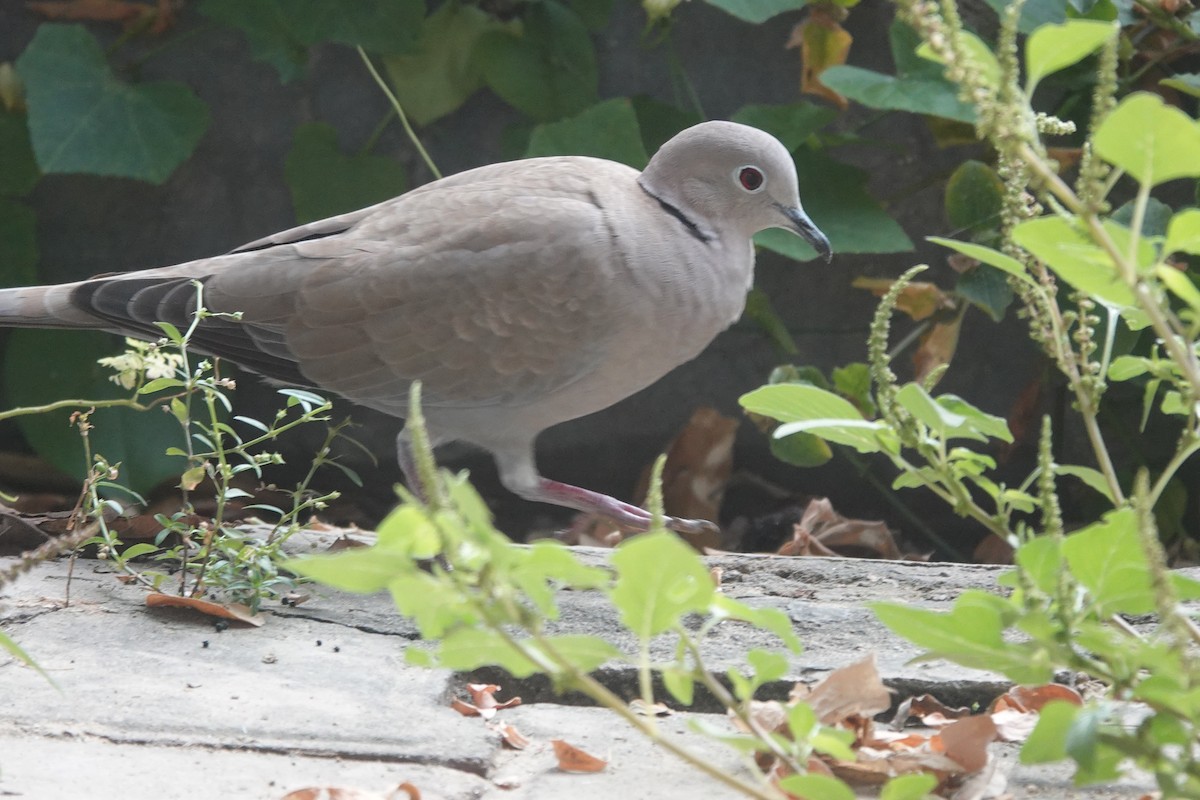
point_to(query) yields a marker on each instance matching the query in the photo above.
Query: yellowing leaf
(823, 43)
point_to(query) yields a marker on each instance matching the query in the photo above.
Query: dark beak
(811, 233)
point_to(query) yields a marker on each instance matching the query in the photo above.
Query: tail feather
(44, 307)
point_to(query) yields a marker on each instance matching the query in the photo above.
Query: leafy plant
(477, 599)
(1068, 590)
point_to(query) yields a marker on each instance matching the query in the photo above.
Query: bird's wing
(492, 291)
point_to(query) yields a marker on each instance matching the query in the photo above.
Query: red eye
(750, 178)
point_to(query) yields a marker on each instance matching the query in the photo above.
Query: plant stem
(387, 90)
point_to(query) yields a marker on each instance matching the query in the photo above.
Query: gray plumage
(520, 294)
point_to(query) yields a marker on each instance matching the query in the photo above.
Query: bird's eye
(751, 178)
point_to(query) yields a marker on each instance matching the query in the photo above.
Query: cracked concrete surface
(156, 703)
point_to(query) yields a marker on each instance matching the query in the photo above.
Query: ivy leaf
(918, 85)
(325, 182)
(842, 208)
(136, 439)
(757, 11)
(1150, 140)
(281, 31)
(606, 130)
(18, 243)
(82, 119)
(266, 29)
(790, 124)
(442, 73)
(18, 168)
(548, 70)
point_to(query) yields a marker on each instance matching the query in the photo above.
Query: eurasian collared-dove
(520, 294)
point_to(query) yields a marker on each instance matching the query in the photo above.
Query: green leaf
(82, 119)
(987, 288)
(14, 650)
(760, 310)
(791, 124)
(1054, 47)
(985, 62)
(801, 449)
(951, 416)
(1075, 258)
(918, 86)
(588, 653)
(660, 121)
(793, 402)
(465, 649)
(1041, 559)
(971, 634)
(281, 31)
(769, 619)
(136, 439)
(1183, 233)
(1092, 477)
(659, 580)
(680, 683)
(1048, 741)
(914, 786)
(974, 196)
(548, 70)
(993, 258)
(814, 785)
(443, 72)
(1150, 140)
(266, 28)
(839, 203)
(18, 243)
(359, 570)
(1034, 13)
(1156, 216)
(1124, 368)
(325, 182)
(756, 11)
(606, 130)
(1180, 284)
(865, 436)
(18, 168)
(1107, 559)
(1187, 82)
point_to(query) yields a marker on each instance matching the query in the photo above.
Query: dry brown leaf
(993, 550)
(822, 531)
(854, 689)
(699, 464)
(1034, 698)
(404, 790)
(1024, 418)
(509, 735)
(919, 299)
(572, 759)
(966, 741)
(937, 345)
(929, 710)
(234, 611)
(1066, 157)
(483, 701)
(823, 43)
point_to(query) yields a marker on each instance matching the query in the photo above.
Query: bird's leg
(519, 475)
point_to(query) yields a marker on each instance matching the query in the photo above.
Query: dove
(520, 294)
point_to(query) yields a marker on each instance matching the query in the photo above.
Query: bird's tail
(43, 307)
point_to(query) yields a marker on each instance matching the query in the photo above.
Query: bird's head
(728, 175)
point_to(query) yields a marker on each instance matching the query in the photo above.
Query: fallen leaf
(966, 741)
(483, 701)
(992, 550)
(822, 531)
(234, 611)
(404, 790)
(1035, 698)
(641, 708)
(853, 689)
(572, 759)
(509, 735)
(823, 43)
(929, 710)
